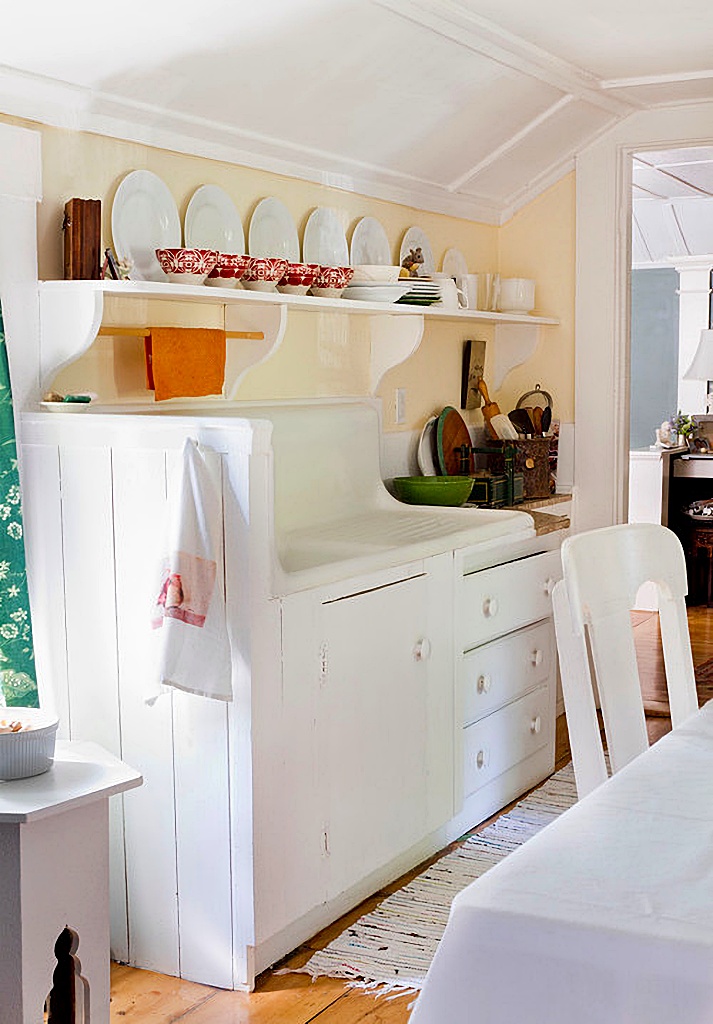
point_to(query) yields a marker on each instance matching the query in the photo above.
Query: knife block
(82, 239)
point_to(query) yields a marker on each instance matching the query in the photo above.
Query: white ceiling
(673, 204)
(468, 107)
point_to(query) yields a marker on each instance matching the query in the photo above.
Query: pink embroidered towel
(189, 611)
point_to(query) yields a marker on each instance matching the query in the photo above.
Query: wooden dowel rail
(144, 332)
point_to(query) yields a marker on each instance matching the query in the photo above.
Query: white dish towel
(189, 611)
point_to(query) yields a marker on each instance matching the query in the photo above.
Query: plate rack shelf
(72, 313)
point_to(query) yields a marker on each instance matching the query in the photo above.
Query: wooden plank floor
(142, 997)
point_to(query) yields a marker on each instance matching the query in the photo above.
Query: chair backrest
(603, 571)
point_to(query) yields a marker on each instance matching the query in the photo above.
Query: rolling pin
(496, 423)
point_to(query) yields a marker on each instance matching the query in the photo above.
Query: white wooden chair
(603, 570)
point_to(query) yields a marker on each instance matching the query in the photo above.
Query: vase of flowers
(685, 427)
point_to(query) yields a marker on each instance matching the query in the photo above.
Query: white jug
(452, 296)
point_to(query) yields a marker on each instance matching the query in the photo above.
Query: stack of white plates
(376, 291)
(422, 291)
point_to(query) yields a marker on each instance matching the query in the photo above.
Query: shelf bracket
(241, 321)
(514, 344)
(393, 340)
(69, 323)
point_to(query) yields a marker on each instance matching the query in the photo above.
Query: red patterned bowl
(263, 273)
(187, 266)
(228, 270)
(297, 278)
(331, 281)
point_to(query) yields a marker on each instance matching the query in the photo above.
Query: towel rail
(145, 332)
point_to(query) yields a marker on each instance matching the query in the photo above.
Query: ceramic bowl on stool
(187, 266)
(263, 273)
(330, 282)
(297, 278)
(228, 270)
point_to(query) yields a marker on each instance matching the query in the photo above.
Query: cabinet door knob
(537, 656)
(549, 586)
(535, 725)
(422, 650)
(481, 759)
(483, 684)
(490, 607)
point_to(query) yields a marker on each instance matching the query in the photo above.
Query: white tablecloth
(604, 917)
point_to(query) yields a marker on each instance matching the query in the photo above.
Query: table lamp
(701, 367)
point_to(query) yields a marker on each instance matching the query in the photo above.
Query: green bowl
(433, 490)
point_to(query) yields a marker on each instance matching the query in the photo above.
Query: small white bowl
(375, 273)
(30, 751)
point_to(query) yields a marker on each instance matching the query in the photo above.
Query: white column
(694, 299)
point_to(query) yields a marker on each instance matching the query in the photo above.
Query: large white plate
(324, 241)
(370, 245)
(273, 232)
(415, 239)
(454, 263)
(426, 454)
(144, 217)
(377, 293)
(212, 222)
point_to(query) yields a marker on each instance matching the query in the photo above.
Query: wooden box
(82, 239)
(532, 459)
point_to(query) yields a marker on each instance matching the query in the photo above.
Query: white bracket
(393, 340)
(514, 344)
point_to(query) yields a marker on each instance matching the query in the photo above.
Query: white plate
(324, 241)
(454, 263)
(378, 293)
(370, 244)
(426, 455)
(273, 232)
(212, 222)
(415, 239)
(144, 217)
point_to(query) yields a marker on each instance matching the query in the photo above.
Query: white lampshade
(701, 367)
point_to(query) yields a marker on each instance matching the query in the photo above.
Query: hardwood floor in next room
(142, 997)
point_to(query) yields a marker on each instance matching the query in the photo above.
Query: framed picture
(699, 445)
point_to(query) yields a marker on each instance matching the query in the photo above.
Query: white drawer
(499, 672)
(496, 601)
(506, 737)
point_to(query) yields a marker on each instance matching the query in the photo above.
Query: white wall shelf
(71, 314)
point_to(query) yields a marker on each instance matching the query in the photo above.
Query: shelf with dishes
(74, 313)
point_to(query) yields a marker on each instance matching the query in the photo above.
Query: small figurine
(412, 261)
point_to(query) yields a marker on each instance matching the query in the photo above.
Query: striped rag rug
(391, 948)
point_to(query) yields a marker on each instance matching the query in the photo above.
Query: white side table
(54, 875)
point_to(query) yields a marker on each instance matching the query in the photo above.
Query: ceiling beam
(453, 21)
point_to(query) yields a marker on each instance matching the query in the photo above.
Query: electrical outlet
(400, 405)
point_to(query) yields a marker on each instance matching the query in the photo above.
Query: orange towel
(183, 362)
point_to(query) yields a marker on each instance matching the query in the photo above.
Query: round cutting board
(452, 432)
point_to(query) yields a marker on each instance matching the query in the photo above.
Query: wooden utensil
(536, 415)
(522, 420)
(452, 433)
(497, 425)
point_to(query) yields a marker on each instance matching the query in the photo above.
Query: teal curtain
(17, 658)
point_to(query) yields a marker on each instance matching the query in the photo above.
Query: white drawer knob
(422, 650)
(483, 684)
(537, 657)
(549, 586)
(481, 759)
(535, 725)
(490, 607)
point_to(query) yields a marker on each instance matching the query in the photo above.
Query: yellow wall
(320, 355)
(539, 242)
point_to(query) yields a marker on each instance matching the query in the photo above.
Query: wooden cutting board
(452, 432)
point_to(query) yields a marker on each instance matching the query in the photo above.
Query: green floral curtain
(17, 659)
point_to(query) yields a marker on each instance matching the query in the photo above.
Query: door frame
(603, 232)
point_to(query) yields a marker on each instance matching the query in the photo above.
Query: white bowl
(30, 751)
(517, 295)
(375, 272)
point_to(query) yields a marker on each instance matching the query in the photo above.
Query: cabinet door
(377, 668)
